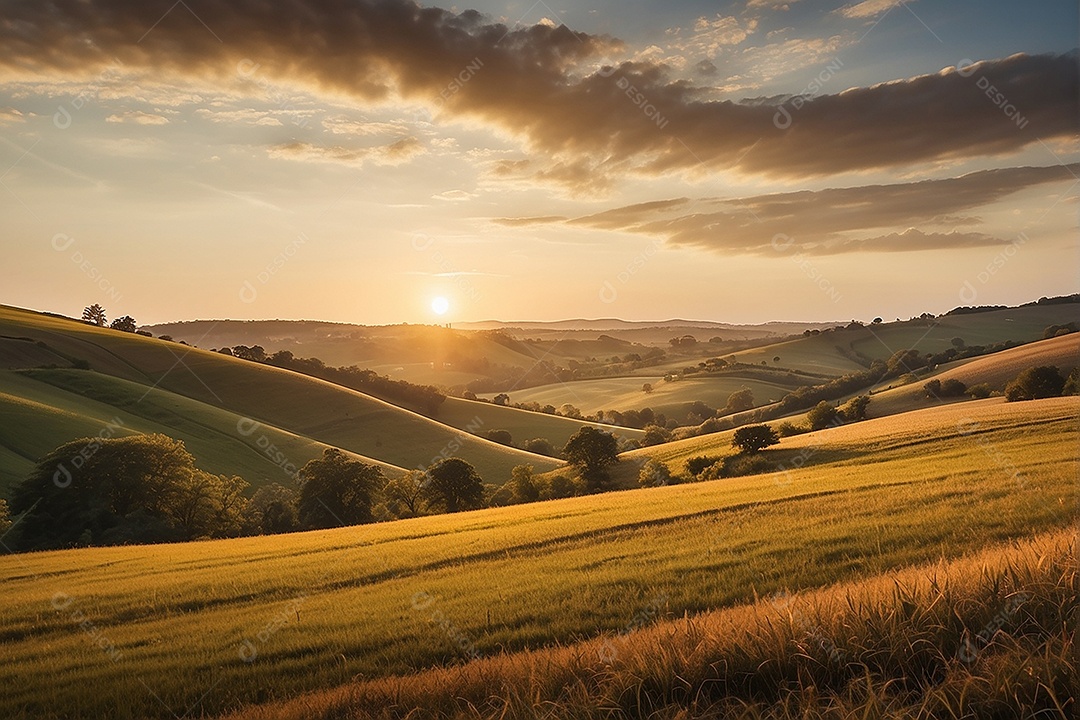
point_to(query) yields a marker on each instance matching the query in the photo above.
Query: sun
(440, 305)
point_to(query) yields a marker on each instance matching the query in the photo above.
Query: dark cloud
(834, 220)
(586, 127)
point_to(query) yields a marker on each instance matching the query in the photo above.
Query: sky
(354, 160)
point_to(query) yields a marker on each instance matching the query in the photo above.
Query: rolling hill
(825, 352)
(40, 409)
(213, 626)
(671, 398)
(294, 403)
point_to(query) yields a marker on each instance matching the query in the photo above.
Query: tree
(337, 491)
(822, 415)
(540, 446)
(94, 314)
(958, 343)
(754, 438)
(523, 487)
(655, 435)
(855, 409)
(501, 399)
(776, 358)
(953, 388)
(207, 505)
(877, 321)
(647, 388)
(1035, 383)
(454, 485)
(654, 474)
(1072, 383)
(592, 451)
(739, 401)
(5, 518)
(272, 510)
(109, 491)
(124, 324)
(700, 463)
(405, 495)
(503, 437)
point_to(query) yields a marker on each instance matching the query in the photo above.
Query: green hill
(40, 409)
(295, 403)
(832, 352)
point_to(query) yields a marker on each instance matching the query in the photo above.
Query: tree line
(423, 398)
(148, 489)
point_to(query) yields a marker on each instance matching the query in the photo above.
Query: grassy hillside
(671, 398)
(296, 403)
(818, 353)
(522, 424)
(912, 643)
(316, 610)
(42, 409)
(874, 438)
(994, 370)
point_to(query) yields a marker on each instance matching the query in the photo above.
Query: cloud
(770, 4)
(10, 116)
(454, 196)
(138, 118)
(579, 124)
(527, 221)
(869, 8)
(831, 221)
(394, 154)
(344, 125)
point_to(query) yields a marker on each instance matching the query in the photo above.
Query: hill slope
(213, 625)
(40, 409)
(308, 407)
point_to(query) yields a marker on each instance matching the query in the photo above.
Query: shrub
(754, 438)
(696, 465)
(1035, 383)
(654, 474)
(822, 415)
(982, 390)
(738, 466)
(788, 428)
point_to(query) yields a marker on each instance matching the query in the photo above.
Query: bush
(1035, 383)
(541, 446)
(822, 415)
(754, 438)
(1072, 383)
(788, 428)
(696, 465)
(953, 388)
(738, 466)
(980, 391)
(855, 409)
(654, 474)
(559, 486)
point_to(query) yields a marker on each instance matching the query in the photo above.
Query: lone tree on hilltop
(751, 439)
(94, 314)
(592, 451)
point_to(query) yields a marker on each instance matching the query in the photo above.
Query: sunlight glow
(440, 305)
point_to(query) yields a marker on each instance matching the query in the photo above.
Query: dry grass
(989, 635)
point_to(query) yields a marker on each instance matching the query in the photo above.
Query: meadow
(209, 628)
(673, 398)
